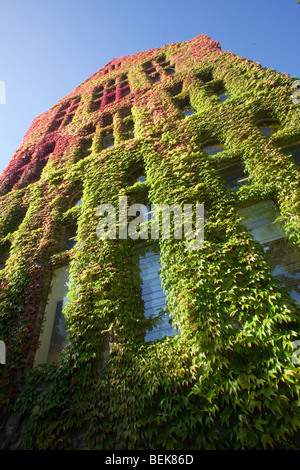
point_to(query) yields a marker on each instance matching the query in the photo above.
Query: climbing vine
(227, 380)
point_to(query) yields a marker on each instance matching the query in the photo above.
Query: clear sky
(49, 47)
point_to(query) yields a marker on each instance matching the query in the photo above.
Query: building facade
(136, 342)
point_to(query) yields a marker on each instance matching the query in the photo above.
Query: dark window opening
(34, 169)
(89, 129)
(65, 114)
(108, 141)
(98, 92)
(107, 120)
(205, 76)
(185, 106)
(124, 92)
(110, 90)
(294, 152)
(97, 98)
(161, 59)
(85, 148)
(125, 112)
(110, 98)
(4, 254)
(95, 105)
(170, 71)
(129, 129)
(68, 119)
(155, 77)
(175, 89)
(70, 237)
(235, 176)
(148, 65)
(124, 77)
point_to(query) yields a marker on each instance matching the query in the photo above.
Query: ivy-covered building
(125, 343)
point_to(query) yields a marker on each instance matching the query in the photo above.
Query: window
(153, 294)
(4, 254)
(260, 219)
(65, 114)
(155, 77)
(153, 71)
(205, 76)
(213, 149)
(34, 169)
(110, 97)
(54, 334)
(141, 179)
(268, 126)
(170, 71)
(294, 151)
(129, 129)
(124, 91)
(235, 176)
(97, 98)
(71, 233)
(175, 89)
(188, 112)
(266, 130)
(184, 105)
(286, 264)
(224, 96)
(108, 141)
(107, 120)
(84, 148)
(115, 89)
(126, 130)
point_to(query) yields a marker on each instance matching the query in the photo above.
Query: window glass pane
(59, 334)
(53, 336)
(59, 297)
(141, 179)
(286, 265)
(170, 70)
(294, 151)
(4, 254)
(266, 130)
(223, 97)
(189, 112)
(260, 220)
(154, 296)
(213, 149)
(108, 141)
(234, 176)
(71, 237)
(286, 262)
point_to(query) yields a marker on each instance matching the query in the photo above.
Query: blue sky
(47, 48)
